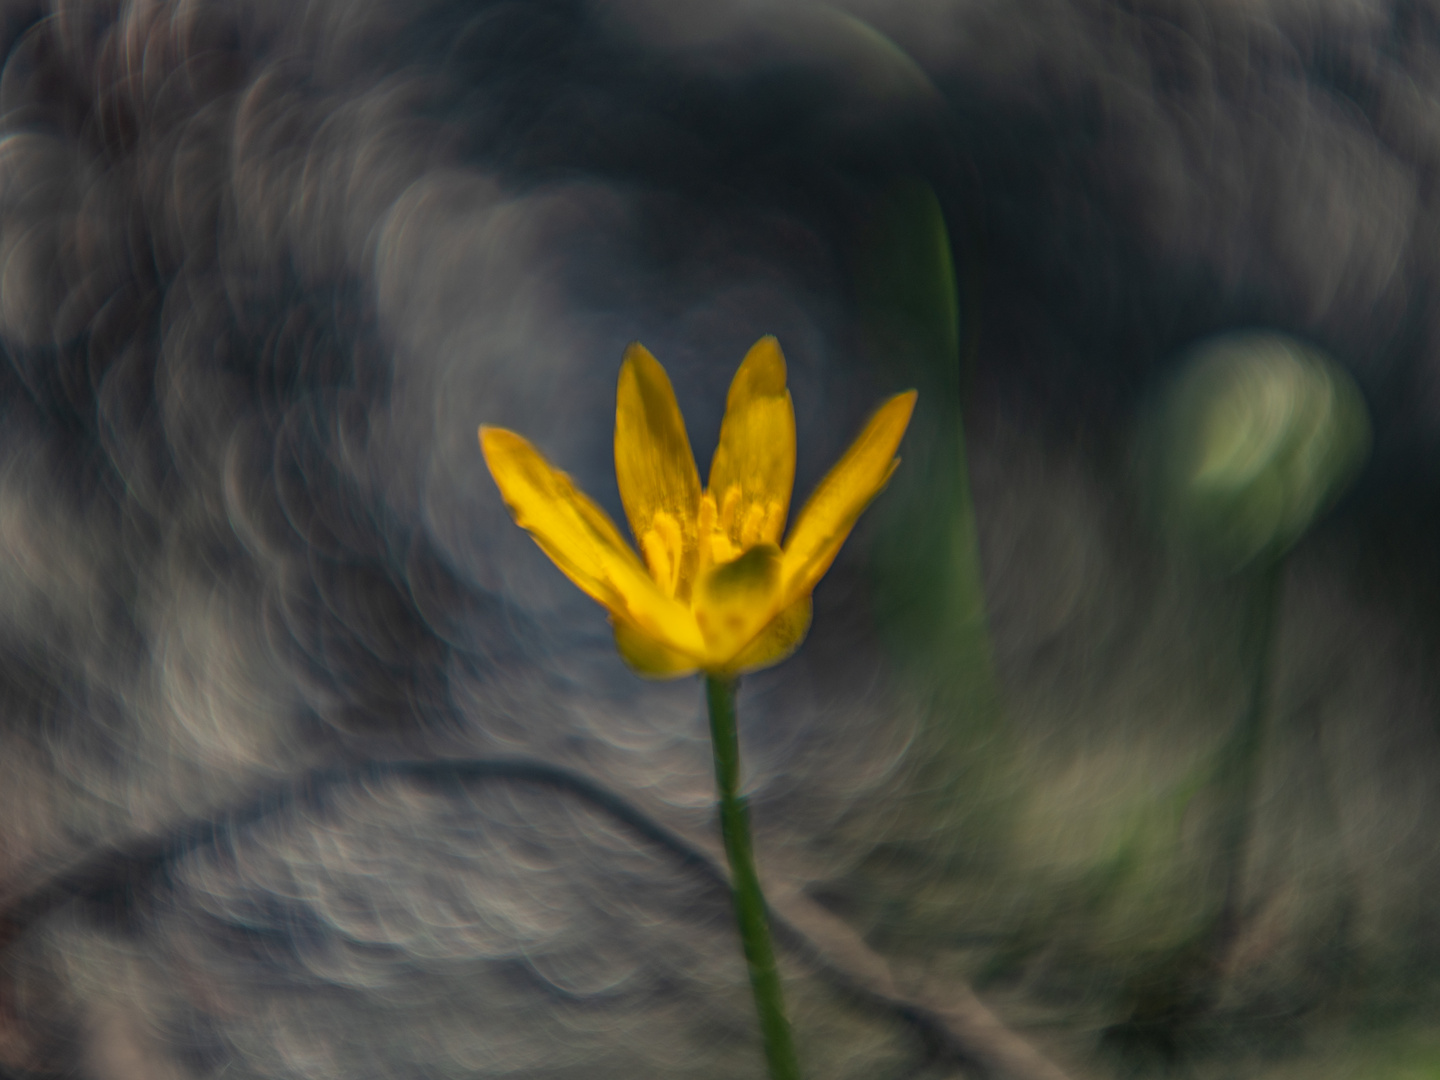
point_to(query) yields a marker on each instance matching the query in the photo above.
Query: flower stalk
(709, 586)
(1238, 771)
(750, 911)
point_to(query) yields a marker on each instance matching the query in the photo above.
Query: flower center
(735, 526)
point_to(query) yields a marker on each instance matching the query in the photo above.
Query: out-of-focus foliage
(910, 317)
(929, 589)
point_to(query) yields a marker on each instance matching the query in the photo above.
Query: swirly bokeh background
(312, 766)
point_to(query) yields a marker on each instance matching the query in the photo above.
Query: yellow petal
(847, 489)
(734, 602)
(649, 657)
(753, 471)
(582, 540)
(653, 462)
(778, 640)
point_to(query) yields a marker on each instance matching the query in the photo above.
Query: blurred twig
(947, 1010)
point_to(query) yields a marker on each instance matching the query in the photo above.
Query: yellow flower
(715, 592)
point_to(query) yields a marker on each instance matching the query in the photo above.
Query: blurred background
(1113, 749)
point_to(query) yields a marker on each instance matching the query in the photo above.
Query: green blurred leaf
(928, 566)
(929, 593)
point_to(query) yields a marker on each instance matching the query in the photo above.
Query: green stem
(749, 901)
(1240, 760)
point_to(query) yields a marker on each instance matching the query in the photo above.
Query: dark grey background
(264, 267)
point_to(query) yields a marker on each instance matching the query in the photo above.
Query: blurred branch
(946, 1011)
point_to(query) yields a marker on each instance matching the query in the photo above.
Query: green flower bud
(1255, 437)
